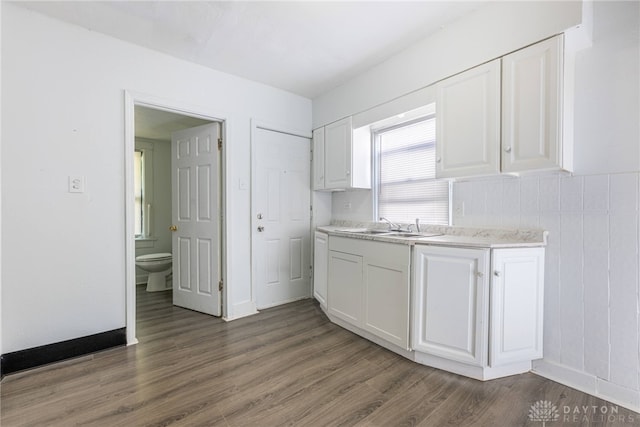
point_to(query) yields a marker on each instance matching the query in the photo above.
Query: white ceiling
(305, 47)
(159, 125)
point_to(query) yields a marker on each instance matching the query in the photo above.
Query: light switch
(76, 184)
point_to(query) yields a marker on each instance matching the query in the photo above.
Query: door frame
(131, 100)
(255, 125)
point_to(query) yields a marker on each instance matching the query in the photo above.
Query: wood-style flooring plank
(287, 365)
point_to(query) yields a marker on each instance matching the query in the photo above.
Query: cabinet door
(344, 295)
(318, 159)
(531, 107)
(320, 267)
(517, 295)
(386, 295)
(337, 143)
(451, 303)
(468, 123)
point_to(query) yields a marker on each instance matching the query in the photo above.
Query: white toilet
(158, 266)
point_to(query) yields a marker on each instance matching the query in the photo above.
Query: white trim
(131, 99)
(588, 383)
(0, 194)
(258, 124)
(129, 227)
(240, 310)
(482, 373)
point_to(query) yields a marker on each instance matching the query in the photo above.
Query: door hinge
(220, 285)
(219, 143)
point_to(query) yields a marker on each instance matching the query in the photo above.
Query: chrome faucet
(418, 225)
(392, 226)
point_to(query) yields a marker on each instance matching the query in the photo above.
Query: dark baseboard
(43, 355)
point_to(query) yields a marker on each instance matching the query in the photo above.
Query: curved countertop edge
(476, 238)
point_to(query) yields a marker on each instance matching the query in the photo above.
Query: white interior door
(281, 218)
(195, 179)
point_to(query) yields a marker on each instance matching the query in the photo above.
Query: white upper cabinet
(532, 108)
(342, 157)
(318, 159)
(468, 123)
(505, 116)
(338, 138)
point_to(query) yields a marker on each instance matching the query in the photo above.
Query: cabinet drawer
(394, 252)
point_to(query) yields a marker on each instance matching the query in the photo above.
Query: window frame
(146, 147)
(376, 132)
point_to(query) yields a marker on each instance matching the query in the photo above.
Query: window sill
(145, 242)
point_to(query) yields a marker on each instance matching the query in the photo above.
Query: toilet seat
(154, 257)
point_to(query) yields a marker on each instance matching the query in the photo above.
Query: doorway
(153, 122)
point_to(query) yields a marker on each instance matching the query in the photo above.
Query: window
(404, 168)
(138, 188)
(143, 188)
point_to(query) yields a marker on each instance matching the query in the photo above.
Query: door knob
(507, 149)
(260, 229)
(173, 228)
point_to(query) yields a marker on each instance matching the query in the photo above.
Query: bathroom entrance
(175, 209)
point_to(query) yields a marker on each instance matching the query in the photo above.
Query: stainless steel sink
(396, 233)
(374, 232)
(403, 234)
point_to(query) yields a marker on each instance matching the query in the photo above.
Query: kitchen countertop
(443, 235)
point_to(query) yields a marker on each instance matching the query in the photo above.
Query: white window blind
(138, 190)
(406, 185)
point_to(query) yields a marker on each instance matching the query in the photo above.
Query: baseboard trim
(43, 355)
(240, 310)
(588, 383)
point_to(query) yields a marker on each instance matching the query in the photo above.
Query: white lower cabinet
(451, 303)
(517, 301)
(386, 294)
(320, 267)
(345, 286)
(369, 287)
(478, 312)
(473, 311)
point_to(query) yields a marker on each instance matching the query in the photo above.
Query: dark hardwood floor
(285, 366)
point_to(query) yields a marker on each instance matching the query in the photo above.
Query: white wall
(63, 113)
(591, 303)
(490, 32)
